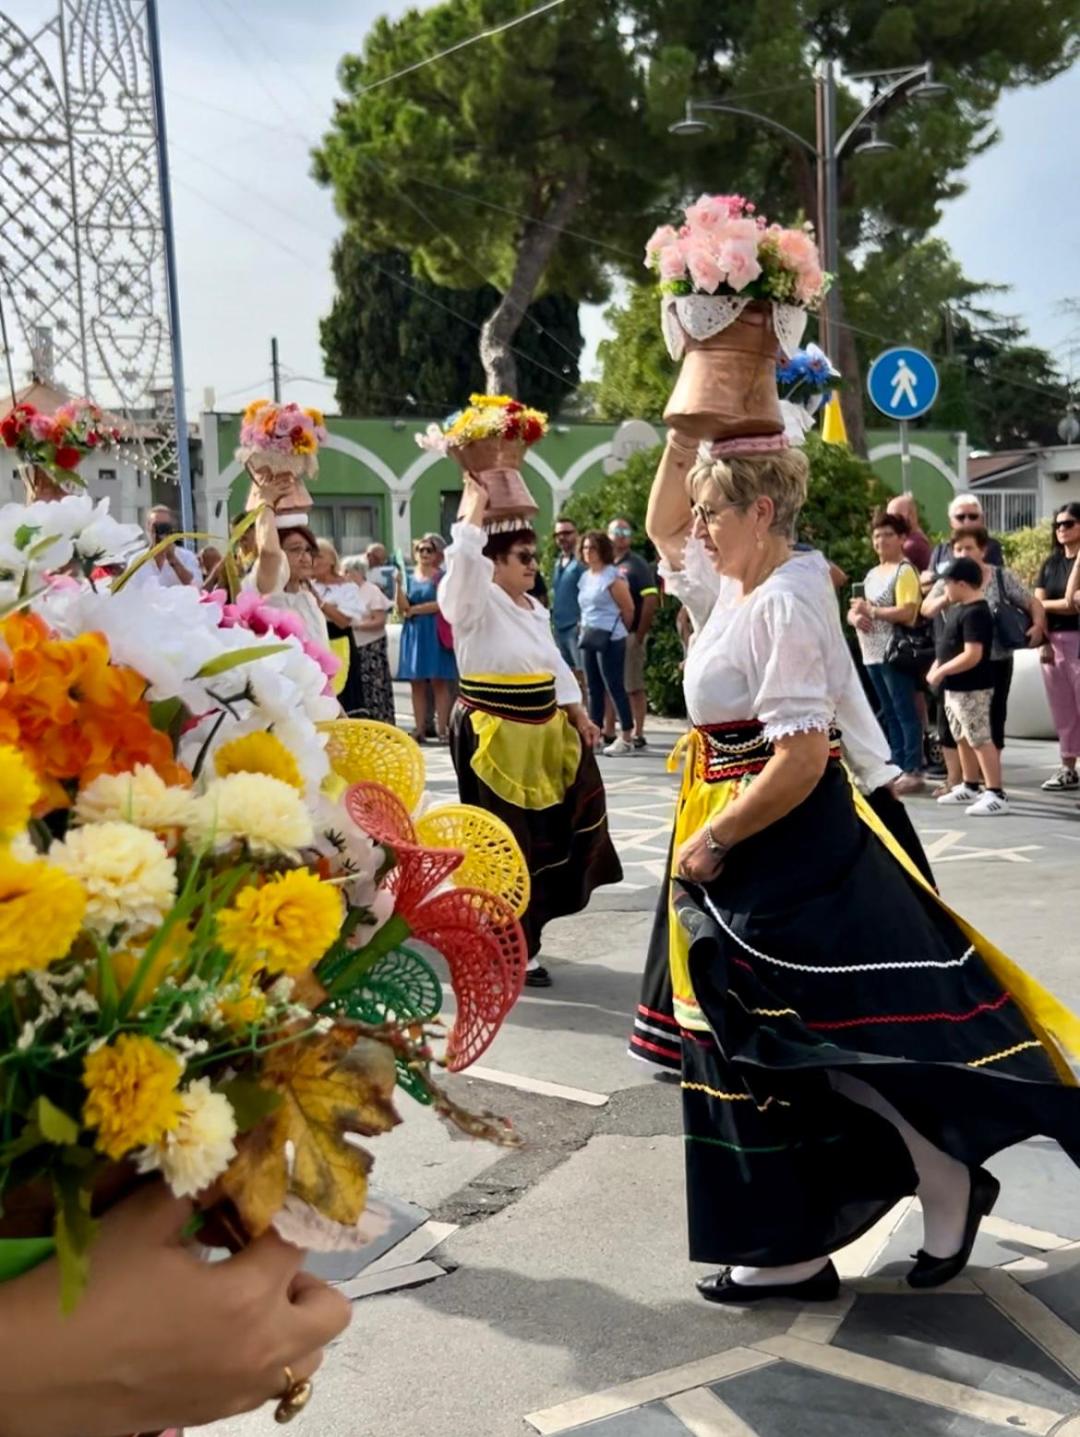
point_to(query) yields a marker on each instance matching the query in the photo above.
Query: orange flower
(72, 713)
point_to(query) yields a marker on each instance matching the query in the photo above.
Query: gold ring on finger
(294, 1399)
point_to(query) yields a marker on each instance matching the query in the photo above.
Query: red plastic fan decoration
(476, 932)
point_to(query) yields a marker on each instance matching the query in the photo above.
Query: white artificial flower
(106, 539)
(200, 1147)
(127, 875)
(263, 812)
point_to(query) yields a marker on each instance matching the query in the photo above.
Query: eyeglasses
(1064, 523)
(425, 548)
(972, 514)
(296, 551)
(707, 514)
(619, 531)
(526, 557)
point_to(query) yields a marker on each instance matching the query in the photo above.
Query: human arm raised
(669, 519)
(465, 588)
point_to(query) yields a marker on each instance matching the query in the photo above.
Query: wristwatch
(715, 847)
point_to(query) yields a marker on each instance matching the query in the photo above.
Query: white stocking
(944, 1189)
(774, 1276)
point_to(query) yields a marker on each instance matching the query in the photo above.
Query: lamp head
(874, 144)
(690, 124)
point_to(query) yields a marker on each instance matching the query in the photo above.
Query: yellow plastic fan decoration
(493, 860)
(364, 751)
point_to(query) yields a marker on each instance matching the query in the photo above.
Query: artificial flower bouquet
(207, 969)
(57, 443)
(804, 382)
(274, 432)
(724, 247)
(487, 416)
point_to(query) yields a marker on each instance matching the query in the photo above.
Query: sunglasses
(972, 514)
(1064, 523)
(619, 533)
(425, 549)
(526, 557)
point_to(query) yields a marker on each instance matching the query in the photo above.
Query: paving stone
(1039, 1186)
(341, 1266)
(990, 1251)
(652, 1421)
(784, 1399)
(1061, 1294)
(959, 1337)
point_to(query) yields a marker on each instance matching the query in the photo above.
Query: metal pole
(830, 198)
(275, 370)
(183, 448)
(7, 353)
(905, 459)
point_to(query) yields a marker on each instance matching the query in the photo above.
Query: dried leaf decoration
(329, 1086)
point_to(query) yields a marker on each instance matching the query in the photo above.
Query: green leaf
(56, 1127)
(24, 534)
(250, 1102)
(133, 568)
(233, 660)
(166, 715)
(75, 1231)
(30, 1138)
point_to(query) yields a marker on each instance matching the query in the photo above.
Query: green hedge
(843, 492)
(1025, 550)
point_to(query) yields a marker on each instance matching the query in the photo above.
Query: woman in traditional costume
(846, 1039)
(521, 741)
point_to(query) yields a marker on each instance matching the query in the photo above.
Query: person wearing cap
(964, 670)
(520, 739)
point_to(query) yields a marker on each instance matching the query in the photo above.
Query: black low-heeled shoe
(930, 1271)
(721, 1287)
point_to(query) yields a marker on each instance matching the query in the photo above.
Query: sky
(249, 88)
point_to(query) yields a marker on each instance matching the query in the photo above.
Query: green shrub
(1025, 550)
(843, 493)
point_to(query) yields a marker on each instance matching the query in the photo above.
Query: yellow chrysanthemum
(132, 1097)
(316, 416)
(245, 1003)
(286, 925)
(19, 791)
(253, 409)
(259, 753)
(41, 912)
(141, 797)
(265, 813)
(127, 875)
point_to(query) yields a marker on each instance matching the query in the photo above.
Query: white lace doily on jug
(702, 315)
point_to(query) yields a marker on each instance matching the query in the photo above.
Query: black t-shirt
(639, 575)
(967, 624)
(1053, 577)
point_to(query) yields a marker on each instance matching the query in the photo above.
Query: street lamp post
(828, 150)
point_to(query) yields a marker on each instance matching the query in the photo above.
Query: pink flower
(704, 269)
(740, 260)
(659, 240)
(672, 262)
(809, 284)
(797, 249)
(43, 428)
(711, 211)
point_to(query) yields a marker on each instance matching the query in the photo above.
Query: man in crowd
(565, 608)
(646, 595)
(174, 565)
(917, 548)
(380, 571)
(965, 514)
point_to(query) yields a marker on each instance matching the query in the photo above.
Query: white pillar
(961, 462)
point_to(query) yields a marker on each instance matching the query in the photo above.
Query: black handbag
(911, 650)
(1011, 623)
(596, 641)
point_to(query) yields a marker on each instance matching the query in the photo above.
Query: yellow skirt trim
(340, 649)
(1057, 1029)
(531, 765)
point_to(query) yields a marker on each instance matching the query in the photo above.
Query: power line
(232, 45)
(487, 34)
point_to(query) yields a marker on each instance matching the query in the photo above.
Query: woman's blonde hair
(783, 477)
(327, 548)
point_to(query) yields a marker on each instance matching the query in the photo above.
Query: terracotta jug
(727, 384)
(495, 464)
(295, 498)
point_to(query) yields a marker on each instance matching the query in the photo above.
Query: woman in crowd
(1061, 653)
(284, 570)
(342, 607)
(607, 615)
(891, 597)
(424, 657)
(522, 743)
(160, 1339)
(1002, 588)
(369, 637)
(846, 1040)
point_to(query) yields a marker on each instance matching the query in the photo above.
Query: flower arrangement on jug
(487, 416)
(723, 246)
(58, 442)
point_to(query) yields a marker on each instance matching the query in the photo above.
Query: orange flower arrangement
(73, 714)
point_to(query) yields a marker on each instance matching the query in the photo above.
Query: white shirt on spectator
(165, 577)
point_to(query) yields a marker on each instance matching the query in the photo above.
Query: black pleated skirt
(567, 847)
(815, 951)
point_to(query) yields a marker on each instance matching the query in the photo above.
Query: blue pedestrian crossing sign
(903, 383)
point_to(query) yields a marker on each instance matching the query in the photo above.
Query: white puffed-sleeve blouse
(778, 655)
(492, 634)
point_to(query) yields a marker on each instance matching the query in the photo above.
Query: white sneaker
(619, 749)
(1063, 779)
(989, 805)
(962, 793)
